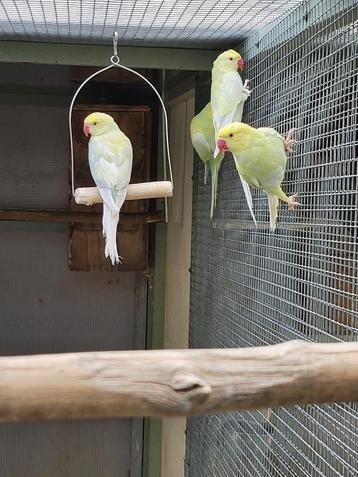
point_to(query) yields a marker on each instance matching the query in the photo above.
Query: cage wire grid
(180, 23)
(253, 288)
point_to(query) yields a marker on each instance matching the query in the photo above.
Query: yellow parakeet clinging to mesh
(260, 157)
(110, 157)
(203, 139)
(228, 95)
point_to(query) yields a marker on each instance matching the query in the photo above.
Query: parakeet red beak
(240, 63)
(86, 129)
(221, 143)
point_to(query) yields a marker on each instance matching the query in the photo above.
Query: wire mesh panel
(186, 23)
(253, 287)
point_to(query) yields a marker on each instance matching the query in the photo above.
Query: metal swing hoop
(115, 62)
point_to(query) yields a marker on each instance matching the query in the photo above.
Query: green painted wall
(99, 55)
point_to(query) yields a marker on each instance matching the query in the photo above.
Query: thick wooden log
(72, 216)
(144, 190)
(175, 383)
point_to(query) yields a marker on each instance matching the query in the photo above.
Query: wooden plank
(71, 216)
(114, 75)
(110, 108)
(178, 129)
(169, 383)
(178, 256)
(87, 249)
(99, 55)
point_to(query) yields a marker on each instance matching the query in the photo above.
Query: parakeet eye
(231, 135)
(231, 59)
(94, 124)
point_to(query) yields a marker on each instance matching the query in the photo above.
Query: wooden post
(175, 383)
(144, 190)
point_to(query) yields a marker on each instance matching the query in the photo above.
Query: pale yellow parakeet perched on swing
(203, 139)
(110, 159)
(260, 157)
(228, 95)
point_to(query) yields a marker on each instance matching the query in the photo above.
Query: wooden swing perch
(175, 383)
(144, 190)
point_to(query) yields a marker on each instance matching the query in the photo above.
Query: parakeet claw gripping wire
(116, 62)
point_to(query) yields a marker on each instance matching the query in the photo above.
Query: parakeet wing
(111, 165)
(271, 133)
(226, 94)
(239, 111)
(202, 146)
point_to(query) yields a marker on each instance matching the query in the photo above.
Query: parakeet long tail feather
(110, 222)
(206, 172)
(273, 204)
(248, 196)
(215, 165)
(214, 170)
(107, 198)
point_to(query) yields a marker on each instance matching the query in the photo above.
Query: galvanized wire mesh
(185, 23)
(252, 287)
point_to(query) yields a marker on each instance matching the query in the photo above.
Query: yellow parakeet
(228, 95)
(203, 139)
(110, 158)
(260, 157)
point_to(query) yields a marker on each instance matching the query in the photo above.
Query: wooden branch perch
(175, 383)
(144, 190)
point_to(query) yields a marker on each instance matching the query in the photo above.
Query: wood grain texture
(87, 248)
(71, 216)
(175, 383)
(145, 190)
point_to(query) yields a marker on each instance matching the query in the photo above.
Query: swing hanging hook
(115, 58)
(115, 43)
